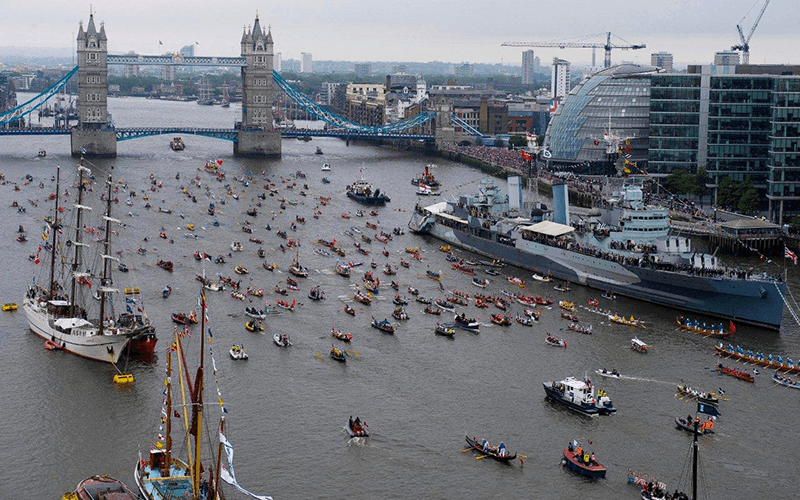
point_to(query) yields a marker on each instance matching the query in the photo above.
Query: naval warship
(628, 249)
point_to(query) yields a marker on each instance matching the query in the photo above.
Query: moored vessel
(628, 249)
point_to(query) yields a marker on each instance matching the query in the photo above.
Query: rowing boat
(490, 452)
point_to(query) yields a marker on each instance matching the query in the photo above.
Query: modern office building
(618, 96)
(661, 60)
(306, 63)
(559, 78)
(528, 67)
(277, 62)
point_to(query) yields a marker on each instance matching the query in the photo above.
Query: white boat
(238, 353)
(326, 167)
(59, 314)
(281, 340)
(236, 246)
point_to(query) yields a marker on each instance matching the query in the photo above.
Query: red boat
(733, 372)
(143, 344)
(165, 265)
(582, 463)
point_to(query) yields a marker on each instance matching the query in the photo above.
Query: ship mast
(168, 452)
(54, 230)
(197, 421)
(78, 244)
(694, 460)
(105, 257)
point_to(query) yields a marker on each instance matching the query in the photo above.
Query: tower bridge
(255, 135)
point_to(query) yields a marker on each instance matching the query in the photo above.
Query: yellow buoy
(123, 378)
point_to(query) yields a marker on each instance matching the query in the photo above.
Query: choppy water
(63, 419)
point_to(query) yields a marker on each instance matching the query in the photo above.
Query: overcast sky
(415, 30)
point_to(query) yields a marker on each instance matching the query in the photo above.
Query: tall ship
(73, 308)
(178, 468)
(626, 249)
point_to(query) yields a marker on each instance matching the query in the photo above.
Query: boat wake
(642, 379)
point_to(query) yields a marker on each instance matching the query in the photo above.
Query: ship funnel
(560, 203)
(515, 193)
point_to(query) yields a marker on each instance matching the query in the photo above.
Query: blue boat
(579, 395)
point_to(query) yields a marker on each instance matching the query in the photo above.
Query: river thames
(64, 420)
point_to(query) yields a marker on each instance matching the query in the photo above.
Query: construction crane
(581, 45)
(745, 45)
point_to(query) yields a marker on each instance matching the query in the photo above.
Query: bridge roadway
(228, 134)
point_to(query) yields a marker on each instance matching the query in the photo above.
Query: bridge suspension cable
(343, 123)
(32, 104)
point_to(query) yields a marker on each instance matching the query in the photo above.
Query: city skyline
(357, 31)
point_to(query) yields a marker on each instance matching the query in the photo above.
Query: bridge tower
(93, 134)
(257, 136)
(444, 132)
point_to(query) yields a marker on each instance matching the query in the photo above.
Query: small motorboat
(492, 272)
(465, 323)
(357, 428)
(480, 283)
(326, 167)
(432, 310)
(236, 246)
(254, 325)
(383, 326)
(53, 346)
(638, 345)
(445, 305)
(413, 291)
(343, 336)
(180, 318)
(582, 462)
(281, 339)
(570, 316)
(687, 424)
(446, 330)
(122, 268)
(240, 269)
(316, 293)
(399, 313)
(10, 306)
(165, 265)
(433, 275)
(349, 310)
(523, 320)
(608, 374)
(252, 312)
(544, 279)
(166, 291)
(399, 301)
(238, 353)
(423, 300)
(608, 295)
(550, 340)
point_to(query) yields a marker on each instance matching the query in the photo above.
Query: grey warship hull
(751, 301)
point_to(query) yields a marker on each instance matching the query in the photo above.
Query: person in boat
(350, 422)
(485, 445)
(501, 449)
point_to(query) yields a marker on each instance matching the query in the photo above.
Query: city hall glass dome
(622, 93)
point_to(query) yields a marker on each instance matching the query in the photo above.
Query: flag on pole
(788, 254)
(733, 327)
(708, 409)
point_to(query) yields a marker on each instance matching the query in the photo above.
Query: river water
(64, 420)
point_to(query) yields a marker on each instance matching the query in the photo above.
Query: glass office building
(619, 95)
(674, 123)
(783, 183)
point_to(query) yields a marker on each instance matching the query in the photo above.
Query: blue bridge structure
(255, 135)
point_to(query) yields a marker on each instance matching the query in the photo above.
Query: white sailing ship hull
(107, 347)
